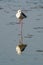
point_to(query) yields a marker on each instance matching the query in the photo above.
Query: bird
(20, 48)
(20, 15)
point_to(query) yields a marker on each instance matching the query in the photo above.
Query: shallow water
(32, 32)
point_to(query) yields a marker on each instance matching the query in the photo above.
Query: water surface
(32, 32)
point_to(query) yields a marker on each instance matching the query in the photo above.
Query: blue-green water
(32, 32)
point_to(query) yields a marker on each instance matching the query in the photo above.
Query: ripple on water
(1, 8)
(41, 6)
(40, 31)
(39, 50)
(7, 12)
(12, 59)
(11, 23)
(35, 58)
(37, 7)
(36, 28)
(28, 36)
(37, 19)
(1, 0)
(35, 3)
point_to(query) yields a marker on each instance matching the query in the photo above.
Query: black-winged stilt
(20, 15)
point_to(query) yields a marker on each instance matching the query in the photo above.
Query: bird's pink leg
(21, 36)
(21, 32)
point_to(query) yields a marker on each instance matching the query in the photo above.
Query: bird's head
(19, 11)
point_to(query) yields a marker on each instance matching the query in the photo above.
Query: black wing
(24, 15)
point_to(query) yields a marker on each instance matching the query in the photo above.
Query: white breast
(18, 15)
